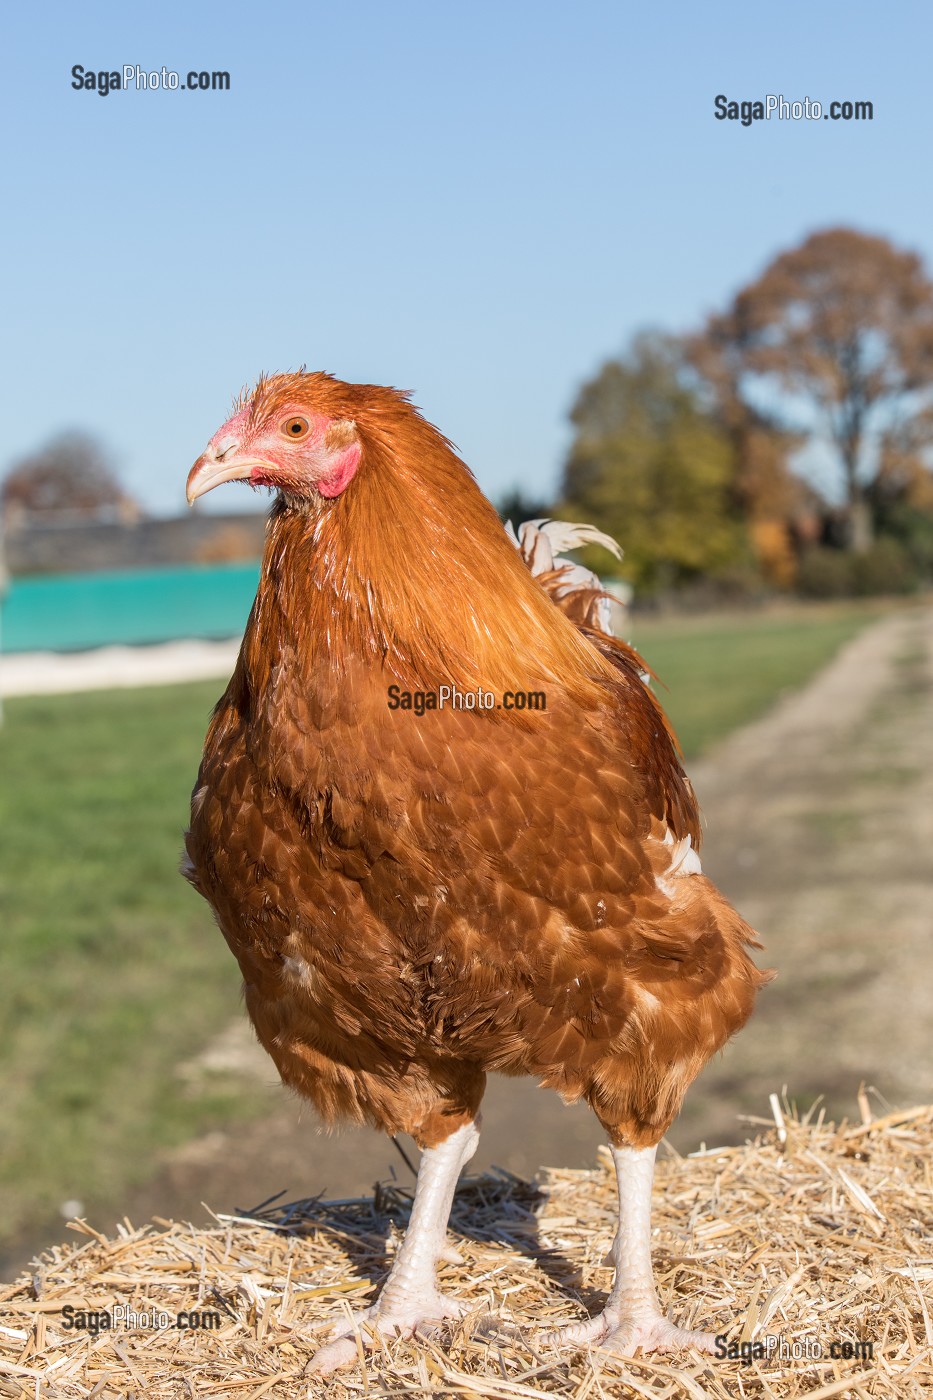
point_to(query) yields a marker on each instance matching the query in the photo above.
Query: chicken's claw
(419, 1314)
(626, 1335)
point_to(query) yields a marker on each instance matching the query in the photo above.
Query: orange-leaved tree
(835, 339)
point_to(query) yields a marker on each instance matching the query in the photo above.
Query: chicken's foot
(632, 1319)
(410, 1295)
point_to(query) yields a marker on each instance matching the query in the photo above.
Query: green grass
(113, 970)
(716, 674)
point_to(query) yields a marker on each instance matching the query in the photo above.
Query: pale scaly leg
(410, 1295)
(632, 1317)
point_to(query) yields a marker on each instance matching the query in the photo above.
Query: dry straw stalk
(813, 1233)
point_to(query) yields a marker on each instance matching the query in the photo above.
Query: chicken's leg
(632, 1317)
(410, 1295)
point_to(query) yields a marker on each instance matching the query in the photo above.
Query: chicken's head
(281, 437)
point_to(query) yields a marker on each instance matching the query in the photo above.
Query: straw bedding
(813, 1234)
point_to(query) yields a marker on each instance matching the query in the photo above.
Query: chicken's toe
(612, 1331)
(417, 1313)
(333, 1357)
(654, 1334)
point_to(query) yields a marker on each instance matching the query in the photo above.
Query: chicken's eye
(296, 428)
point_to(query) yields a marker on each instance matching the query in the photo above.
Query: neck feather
(411, 572)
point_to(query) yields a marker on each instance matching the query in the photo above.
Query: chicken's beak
(213, 468)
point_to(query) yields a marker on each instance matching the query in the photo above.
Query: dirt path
(819, 826)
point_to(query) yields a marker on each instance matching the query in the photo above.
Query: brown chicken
(420, 891)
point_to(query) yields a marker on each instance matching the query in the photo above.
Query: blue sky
(477, 202)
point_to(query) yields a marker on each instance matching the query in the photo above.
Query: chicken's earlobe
(340, 457)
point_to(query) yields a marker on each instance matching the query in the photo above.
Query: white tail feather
(562, 535)
(540, 543)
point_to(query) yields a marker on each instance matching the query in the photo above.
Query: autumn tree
(777, 507)
(69, 478)
(650, 465)
(836, 337)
